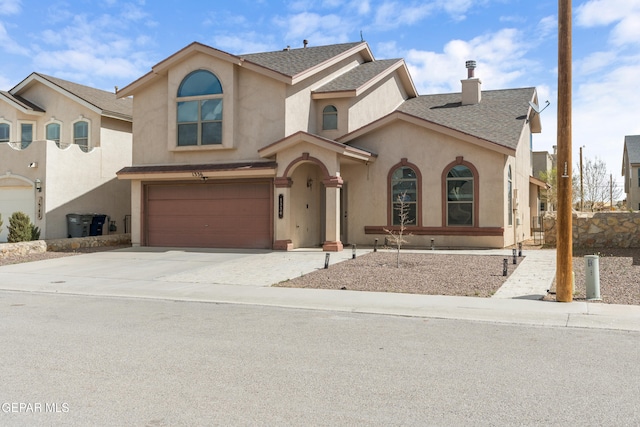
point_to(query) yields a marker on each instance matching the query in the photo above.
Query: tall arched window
(510, 197)
(53, 132)
(5, 132)
(200, 109)
(460, 196)
(81, 134)
(404, 196)
(329, 118)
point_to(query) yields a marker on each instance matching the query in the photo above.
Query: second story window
(199, 109)
(53, 133)
(26, 134)
(81, 135)
(5, 131)
(329, 118)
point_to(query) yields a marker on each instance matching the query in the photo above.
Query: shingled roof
(104, 101)
(24, 103)
(499, 117)
(291, 62)
(632, 145)
(358, 76)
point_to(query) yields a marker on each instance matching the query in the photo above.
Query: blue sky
(113, 42)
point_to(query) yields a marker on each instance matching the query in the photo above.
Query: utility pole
(564, 247)
(581, 184)
(610, 191)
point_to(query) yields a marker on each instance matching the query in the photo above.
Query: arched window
(53, 132)
(460, 196)
(5, 132)
(329, 118)
(81, 134)
(510, 197)
(200, 109)
(404, 196)
(26, 134)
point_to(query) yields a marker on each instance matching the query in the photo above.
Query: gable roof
(102, 102)
(20, 103)
(632, 147)
(360, 78)
(288, 66)
(498, 119)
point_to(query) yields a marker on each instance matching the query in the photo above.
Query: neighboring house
(61, 145)
(543, 162)
(311, 147)
(631, 170)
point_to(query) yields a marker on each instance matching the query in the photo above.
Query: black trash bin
(78, 225)
(96, 224)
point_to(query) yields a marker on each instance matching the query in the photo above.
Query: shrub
(20, 228)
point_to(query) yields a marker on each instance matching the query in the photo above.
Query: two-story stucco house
(312, 147)
(631, 170)
(61, 144)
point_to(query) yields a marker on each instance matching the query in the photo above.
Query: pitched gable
(103, 102)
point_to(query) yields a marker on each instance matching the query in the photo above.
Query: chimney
(471, 92)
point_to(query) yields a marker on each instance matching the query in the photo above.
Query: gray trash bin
(78, 225)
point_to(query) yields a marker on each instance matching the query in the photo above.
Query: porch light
(38, 185)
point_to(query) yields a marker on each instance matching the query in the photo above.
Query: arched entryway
(307, 206)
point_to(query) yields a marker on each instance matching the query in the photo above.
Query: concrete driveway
(142, 269)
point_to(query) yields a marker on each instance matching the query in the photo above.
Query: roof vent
(305, 42)
(287, 48)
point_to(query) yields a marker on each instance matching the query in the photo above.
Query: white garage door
(15, 199)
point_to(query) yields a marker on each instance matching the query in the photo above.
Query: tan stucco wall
(431, 152)
(633, 189)
(63, 110)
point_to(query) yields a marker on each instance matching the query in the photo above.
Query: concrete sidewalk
(244, 277)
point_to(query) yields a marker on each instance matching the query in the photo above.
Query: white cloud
(624, 15)
(243, 43)
(8, 45)
(500, 58)
(604, 12)
(318, 29)
(10, 7)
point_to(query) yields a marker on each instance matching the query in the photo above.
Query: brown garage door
(209, 215)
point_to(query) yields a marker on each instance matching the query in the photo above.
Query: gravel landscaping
(419, 273)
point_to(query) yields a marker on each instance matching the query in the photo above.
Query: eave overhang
(344, 150)
(397, 115)
(199, 171)
(399, 66)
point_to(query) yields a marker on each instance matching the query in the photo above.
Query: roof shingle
(632, 144)
(103, 100)
(291, 62)
(499, 117)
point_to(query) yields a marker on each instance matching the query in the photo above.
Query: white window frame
(7, 122)
(54, 121)
(33, 132)
(73, 135)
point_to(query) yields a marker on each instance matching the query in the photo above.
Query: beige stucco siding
(61, 108)
(376, 102)
(430, 152)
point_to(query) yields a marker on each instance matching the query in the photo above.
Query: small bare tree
(398, 236)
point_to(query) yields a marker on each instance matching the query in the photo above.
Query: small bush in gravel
(398, 236)
(20, 228)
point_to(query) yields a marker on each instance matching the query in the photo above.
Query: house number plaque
(280, 205)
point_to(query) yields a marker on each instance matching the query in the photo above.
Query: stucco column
(332, 214)
(282, 223)
(136, 206)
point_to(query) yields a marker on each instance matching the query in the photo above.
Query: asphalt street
(85, 360)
